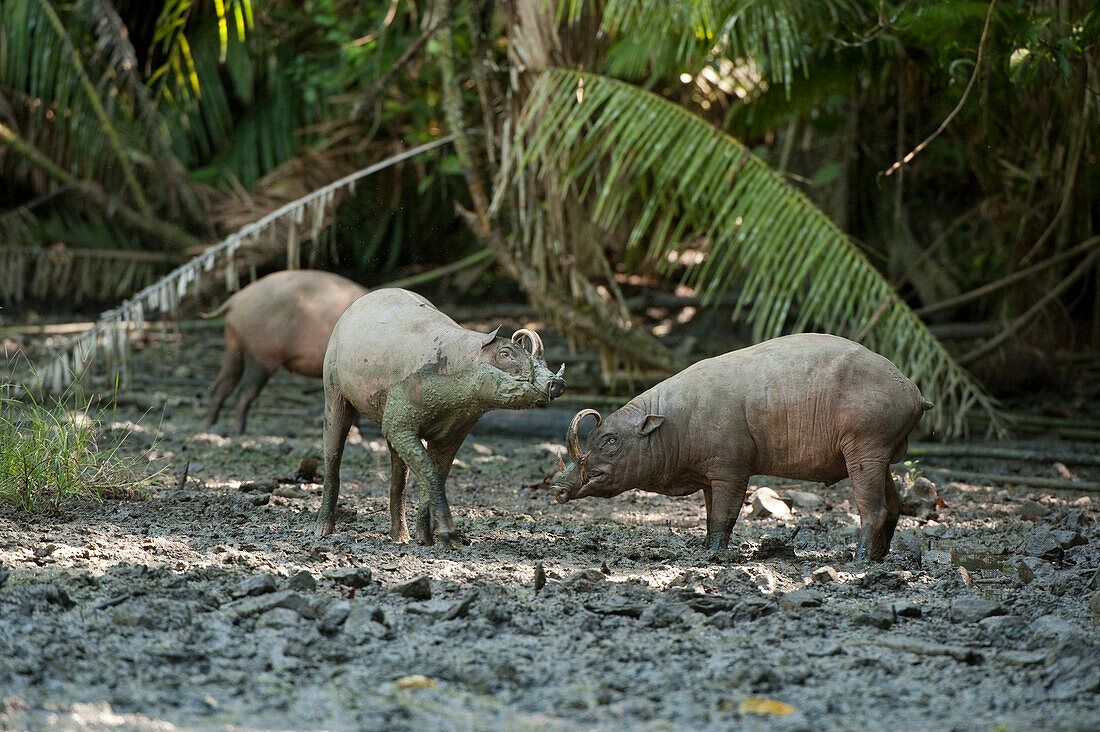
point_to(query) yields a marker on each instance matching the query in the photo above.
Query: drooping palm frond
(775, 34)
(634, 153)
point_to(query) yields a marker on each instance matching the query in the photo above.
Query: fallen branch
(1060, 484)
(1055, 292)
(1008, 280)
(1007, 453)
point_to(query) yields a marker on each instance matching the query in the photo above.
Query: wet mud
(212, 605)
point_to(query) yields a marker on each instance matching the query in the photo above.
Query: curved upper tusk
(529, 335)
(572, 441)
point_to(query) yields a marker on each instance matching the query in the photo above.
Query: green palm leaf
(678, 178)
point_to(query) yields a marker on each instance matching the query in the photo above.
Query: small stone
(303, 580)
(4, 574)
(805, 499)
(1054, 626)
(41, 552)
(278, 617)
(257, 584)
(418, 588)
(1068, 539)
(354, 577)
(586, 579)
(307, 470)
(1031, 510)
(825, 574)
(289, 491)
(260, 499)
(250, 606)
(540, 577)
(266, 486)
(1041, 543)
(1030, 568)
(366, 621)
(797, 599)
(461, 608)
(918, 499)
(181, 372)
(334, 616)
(666, 614)
(751, 608)
(973, 609)
(1094, 604)
(764, 581)
(907, 609)
(766, 502)
(880, 616)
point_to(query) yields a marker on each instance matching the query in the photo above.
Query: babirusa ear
(491, 337)
(649, 423)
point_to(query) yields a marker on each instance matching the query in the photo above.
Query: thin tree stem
(966, 92)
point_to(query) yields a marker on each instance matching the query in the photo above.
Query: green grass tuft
(49, 454)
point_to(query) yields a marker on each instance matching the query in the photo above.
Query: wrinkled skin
(806, 407)
(283, 319)
(400, 362)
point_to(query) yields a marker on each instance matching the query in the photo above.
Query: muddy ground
(212, 606)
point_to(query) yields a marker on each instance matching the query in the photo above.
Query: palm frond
(795, 267)
(775, 34)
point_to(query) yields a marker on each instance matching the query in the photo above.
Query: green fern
(640, 156)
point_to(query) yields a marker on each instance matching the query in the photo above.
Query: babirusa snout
(557, 384)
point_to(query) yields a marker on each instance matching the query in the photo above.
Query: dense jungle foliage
(868, 168)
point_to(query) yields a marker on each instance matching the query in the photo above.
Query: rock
(825, 575)
(880, 616)
(4, 574)
(1031, 510)
(751, 608)
(283, 598)
(353, 577)
(666, 614)
(720, 620)
(973, 609)
(586, 579)
(307, 470)
(805, 499)
(334, 616)
(1068, 539)
(1041, 543)
(418, 588)
(617, 605)
(1030, 568)
(882, 579)
(278, 617)
(290, 491)
(1054, 626)
(181, 372)
(461, 608)
(764, 581)
(918, 498)
(907, 609)
(798, 599)
(303, 580)
(1094, 604)
(265, 486)
(260, 499)
(257, 584)
(766, 502)
(366, 621)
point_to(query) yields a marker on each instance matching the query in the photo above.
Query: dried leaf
(416, 681)
(755, 705)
